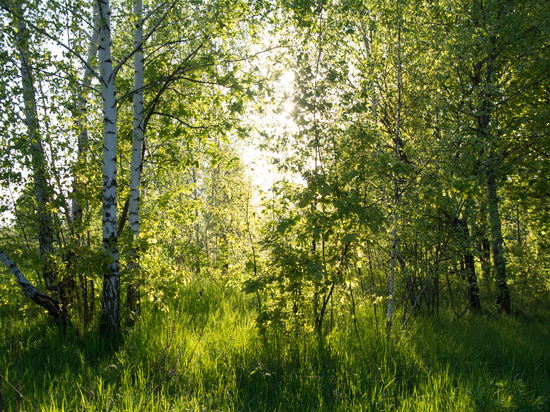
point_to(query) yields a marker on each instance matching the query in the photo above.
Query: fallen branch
(52, 306)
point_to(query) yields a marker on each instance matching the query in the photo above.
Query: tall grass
(205, 354)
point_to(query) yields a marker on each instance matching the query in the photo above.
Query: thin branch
(18, 392)
(185, 123)
(52, 38)
(145, 38)
(172, 77)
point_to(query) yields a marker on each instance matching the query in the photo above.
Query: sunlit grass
(205, 354)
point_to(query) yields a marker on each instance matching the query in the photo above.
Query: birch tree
(136, 164)
(52, 306)
(38, 164)
(187, 61)
(82, 122)
(38, 91)
(111, 278)
(395, 205)
(491, 70)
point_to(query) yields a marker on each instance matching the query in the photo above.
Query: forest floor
(204, 353)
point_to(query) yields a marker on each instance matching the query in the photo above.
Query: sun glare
(275, 121)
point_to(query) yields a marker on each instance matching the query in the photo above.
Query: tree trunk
(51, 305)
(484, 260)
(137, 135)
(473, 287)
(497, 250)
(391, 300)
(110, 323)
(488, 133)
(39, 170)
(132, 289)
(474, 302)
(77, 201)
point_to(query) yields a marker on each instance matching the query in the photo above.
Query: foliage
(196, 89)
(411, 141)
(463, 78)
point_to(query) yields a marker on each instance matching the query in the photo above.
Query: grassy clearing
(206, 355)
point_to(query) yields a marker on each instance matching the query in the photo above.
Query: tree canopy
(410, 139)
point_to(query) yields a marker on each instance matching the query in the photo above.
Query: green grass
(206, 355)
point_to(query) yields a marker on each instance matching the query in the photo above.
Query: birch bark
(132, 298)
(51, 305)
(111, 280)
(137, 136)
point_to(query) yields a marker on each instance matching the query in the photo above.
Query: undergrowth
(205, 354)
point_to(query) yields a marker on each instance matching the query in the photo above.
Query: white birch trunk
(111, 280)
(196, 197)
(137, 136)
(132, 296)
(51, 305)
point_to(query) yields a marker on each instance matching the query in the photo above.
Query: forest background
(399, 261)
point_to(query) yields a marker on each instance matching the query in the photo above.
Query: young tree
(111, 278)
(490, 67)
(38, 158)
(195, 60)
(83, 121)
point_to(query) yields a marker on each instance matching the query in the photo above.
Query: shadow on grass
(204, 354)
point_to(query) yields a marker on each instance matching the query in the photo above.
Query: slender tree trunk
(78, 203)
(367, 44)
(41, 190)
(137, 135)
(132, 296)
(196, 225)
(469, 266)
(484, 260)
(473, 286)
(488, 133)
(391, 299)
(497, 250)
(110, 325)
